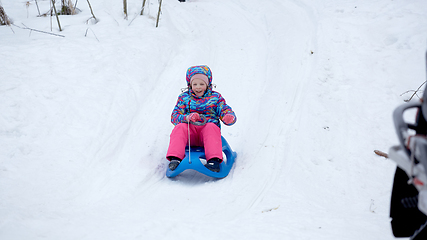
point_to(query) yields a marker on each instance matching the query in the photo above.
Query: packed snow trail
(85, 119)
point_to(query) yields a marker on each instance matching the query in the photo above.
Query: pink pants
(207, 136)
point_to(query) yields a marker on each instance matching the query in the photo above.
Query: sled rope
(189, 143)
(188, 127)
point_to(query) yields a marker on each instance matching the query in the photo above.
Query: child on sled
(199, 102)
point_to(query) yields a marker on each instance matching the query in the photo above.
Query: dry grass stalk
(143, 7)
(56, 14)
(158, 14)
(91, 11)
(125, 8)
(4, 19)
(67, 8)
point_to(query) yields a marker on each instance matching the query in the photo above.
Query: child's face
(199, 87)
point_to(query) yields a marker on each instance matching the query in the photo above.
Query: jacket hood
(203, 69)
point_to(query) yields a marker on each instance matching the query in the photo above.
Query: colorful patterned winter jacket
(211, 104)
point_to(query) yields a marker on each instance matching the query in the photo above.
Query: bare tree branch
(92, 32)
(415, 92)
(32, 29)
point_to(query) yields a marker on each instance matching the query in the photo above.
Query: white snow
(85, 118)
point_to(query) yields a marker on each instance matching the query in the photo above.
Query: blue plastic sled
(195, 163)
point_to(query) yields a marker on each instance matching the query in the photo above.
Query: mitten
(228, 119)
(193, 117)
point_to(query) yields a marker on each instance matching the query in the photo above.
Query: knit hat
(203, 72)
(201, 77)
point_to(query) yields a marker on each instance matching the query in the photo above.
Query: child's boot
(174, 162)
(213, 164)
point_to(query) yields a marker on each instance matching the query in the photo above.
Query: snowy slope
(85, 118)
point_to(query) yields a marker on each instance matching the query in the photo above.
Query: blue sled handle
(196, 164)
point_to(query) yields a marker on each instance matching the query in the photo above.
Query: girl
(197, 103)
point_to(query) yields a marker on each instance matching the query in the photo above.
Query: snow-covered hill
(85, 117)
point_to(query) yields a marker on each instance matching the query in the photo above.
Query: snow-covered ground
(85, 117)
